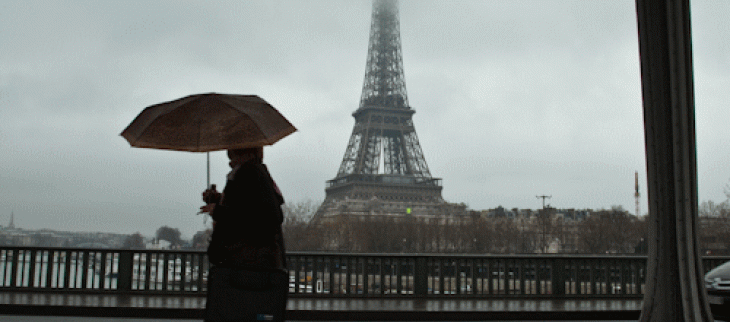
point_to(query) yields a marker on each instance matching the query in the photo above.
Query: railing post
(84, 268)
(14, 255)
(365, 281)
(31, 268)
(124, 276)
(420, 277)
(558, 277)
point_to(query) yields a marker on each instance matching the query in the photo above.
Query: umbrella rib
(200, 133)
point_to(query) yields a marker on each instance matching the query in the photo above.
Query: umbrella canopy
(208, 122)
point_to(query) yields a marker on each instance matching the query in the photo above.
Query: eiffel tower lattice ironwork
(384, 160)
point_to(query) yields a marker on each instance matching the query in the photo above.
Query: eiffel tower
(383, 170)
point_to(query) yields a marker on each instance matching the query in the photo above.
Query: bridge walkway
(326, 309)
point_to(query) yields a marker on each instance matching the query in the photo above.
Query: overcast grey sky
(513, 99)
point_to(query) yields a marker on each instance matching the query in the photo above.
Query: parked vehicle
(717, 283)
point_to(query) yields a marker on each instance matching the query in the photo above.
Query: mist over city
(512, 100)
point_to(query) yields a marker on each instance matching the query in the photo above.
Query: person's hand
(207, 208)
(211, 195)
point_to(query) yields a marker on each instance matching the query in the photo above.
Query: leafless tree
(714, 232)
(201, 239)
(610, 231)
(169, 234)
(298, 233)
(301, 211)
(134, 241)
(544, 228)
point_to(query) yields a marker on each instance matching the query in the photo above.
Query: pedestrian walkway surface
(325, 309)
(19, 318)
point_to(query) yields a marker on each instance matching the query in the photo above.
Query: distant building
(53, 238)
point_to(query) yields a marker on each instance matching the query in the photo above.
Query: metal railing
(36, 269)
(470, 276)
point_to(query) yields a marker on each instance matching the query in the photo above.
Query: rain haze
(513, 99)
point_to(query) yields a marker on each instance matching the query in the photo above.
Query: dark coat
(247, 221)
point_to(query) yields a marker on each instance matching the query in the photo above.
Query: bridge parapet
(334, 275)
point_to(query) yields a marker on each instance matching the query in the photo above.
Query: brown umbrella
(208, 122)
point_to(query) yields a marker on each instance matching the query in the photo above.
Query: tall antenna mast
(11, 225)
(543, 199)
(636, 194)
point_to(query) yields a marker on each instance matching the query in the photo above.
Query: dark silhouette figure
(248, 280)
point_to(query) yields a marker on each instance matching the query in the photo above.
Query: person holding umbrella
(247, 280)
(246, 249)
(249, 218)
